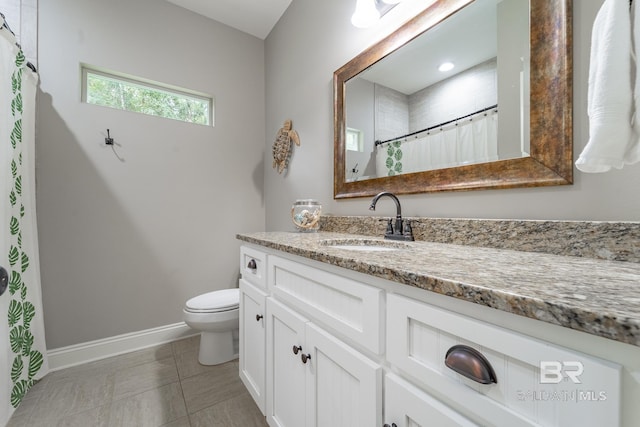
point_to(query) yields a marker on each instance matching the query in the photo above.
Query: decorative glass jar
(305, 214)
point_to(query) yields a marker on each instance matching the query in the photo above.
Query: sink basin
(364, 245)
(365, 248)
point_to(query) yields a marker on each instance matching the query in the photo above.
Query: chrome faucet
(397, 232)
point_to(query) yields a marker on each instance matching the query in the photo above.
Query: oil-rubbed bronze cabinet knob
(469, 362)
(296, 349)
(392, 425)
(258, 317)
(252, 265)
(305, 358)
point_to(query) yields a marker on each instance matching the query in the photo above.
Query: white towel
(610, 93)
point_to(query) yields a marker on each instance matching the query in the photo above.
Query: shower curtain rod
(5, 24)
(438, 125)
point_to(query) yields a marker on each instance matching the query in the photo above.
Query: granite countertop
(594, 296)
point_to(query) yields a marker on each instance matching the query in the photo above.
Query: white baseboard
(65, 357)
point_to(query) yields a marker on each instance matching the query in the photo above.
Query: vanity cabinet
(338, 341)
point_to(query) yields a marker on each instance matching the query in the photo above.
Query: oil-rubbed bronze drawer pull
(469, 362)
(252, 264)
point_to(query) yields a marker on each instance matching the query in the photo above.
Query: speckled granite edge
(613, 241)
(593, 296)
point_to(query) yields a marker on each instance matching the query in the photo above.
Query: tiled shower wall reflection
(397, 113)
(451, 98)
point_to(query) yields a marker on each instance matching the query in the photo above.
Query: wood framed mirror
(548, 159)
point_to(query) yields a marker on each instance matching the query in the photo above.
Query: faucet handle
(389, 230)
(389, 227)
(408, 231)
(399, 226)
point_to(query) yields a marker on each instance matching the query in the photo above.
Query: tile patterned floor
(160, 386)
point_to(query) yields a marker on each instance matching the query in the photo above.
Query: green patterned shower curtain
(23, 357)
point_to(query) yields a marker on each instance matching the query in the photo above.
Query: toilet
(216, 315)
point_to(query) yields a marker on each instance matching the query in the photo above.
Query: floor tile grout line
(155, 386)
(184, 400)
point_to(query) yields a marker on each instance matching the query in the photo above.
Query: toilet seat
(214, 302)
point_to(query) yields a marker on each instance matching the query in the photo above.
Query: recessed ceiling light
(446, 66)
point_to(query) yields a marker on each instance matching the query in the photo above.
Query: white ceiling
(256, 17)
(467, 38)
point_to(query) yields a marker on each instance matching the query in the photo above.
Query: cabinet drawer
(575, 390)
(344, 306)
(405, 405)
(253, 264)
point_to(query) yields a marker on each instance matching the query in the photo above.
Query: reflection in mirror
(433, 103)
(512, 64)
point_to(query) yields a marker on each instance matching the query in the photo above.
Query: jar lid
(306, 202)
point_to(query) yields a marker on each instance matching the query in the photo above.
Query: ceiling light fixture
(368, 12)
(446, 66)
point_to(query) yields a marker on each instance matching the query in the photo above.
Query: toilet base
(216, 348)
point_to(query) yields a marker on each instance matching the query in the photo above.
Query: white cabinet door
(285, 371)
(316, 380)
(344, 388)
(408, 406)
(253, 341)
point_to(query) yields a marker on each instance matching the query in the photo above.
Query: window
(354, 140)
(129, 93)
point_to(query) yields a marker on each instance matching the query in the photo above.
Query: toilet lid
(223, 300)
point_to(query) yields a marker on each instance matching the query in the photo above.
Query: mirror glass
(501, 117)
(433, 103)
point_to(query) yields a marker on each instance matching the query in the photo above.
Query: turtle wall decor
(282, 146)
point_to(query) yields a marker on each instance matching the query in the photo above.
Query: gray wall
(124, 243)
(513, 84)
(360, 116)
(313, 39)
(22, 16)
